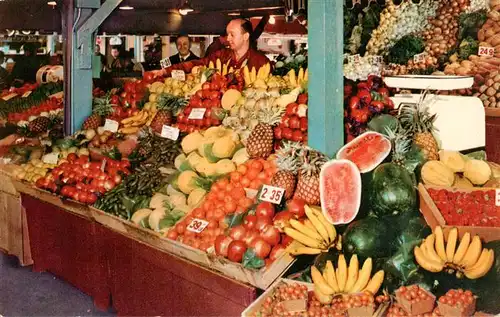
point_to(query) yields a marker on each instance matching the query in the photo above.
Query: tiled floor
(26, 293)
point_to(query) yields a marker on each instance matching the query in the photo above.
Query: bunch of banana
(276, 82)
(314, 236)
(296, 80)
(224, 69)
(132, 124)
(468, 258)
(344, 279)
(256, 79)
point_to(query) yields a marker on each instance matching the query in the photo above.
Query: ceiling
(148, 17)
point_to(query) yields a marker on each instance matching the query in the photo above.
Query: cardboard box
(453, 311)
(419, 308)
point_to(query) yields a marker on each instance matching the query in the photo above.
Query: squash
(196, 197)
(177, 199)
(215, 132)
(179, 160)
(225, 166)
(462, 182)
(230, 98)
(241, 156)
(140, 217)
(193, 159)
(191, 142)
(155, 217)
(157, 201)
(453, 160)
(477, 171)
(438, 174)
(224, 147)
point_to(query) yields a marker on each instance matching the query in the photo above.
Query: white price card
(197, 113)
(26, 94)
(51, 158)
(354, 59)
(111, 125)
(376, 59)
(103, 165)
(9, 96)
(497, 197)
(271, 194)
(251, 193)
(164, 63)
(179, 75)
(169, 132)
(486, 51)
(6, 160)
(197, 225)
(419, 58)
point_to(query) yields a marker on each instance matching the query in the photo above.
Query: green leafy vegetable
(252, 261)
(470, 23)
(468, 47)
(405, 49)
(371, 20)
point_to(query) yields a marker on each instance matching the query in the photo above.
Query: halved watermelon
(367, 151)
(340, 190)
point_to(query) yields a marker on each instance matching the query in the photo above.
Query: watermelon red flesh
(340, 190)
(367, 151)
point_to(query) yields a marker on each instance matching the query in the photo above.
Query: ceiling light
(272, 20)
(185, 8)
(125, 7)
(52, 3)
(234, 13)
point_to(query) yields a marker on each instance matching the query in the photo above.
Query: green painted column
(326, 86)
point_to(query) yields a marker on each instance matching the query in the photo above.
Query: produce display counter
(493, 134)
(106, 263)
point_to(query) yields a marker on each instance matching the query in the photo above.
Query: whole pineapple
(416, 119)
(260, 142)
(286, 176)
(400, 145)
(167, 106)
(308, 180)
(102, 107)
(39, 125)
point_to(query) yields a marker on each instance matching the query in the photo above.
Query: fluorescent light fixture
(185, 8)
(272, 20)
(125, 7)
(234, 13)
(52, 3)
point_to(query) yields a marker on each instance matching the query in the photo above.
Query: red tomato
(222, 245)
(249, 222)
(72, 157)
(302, 99)
(205, 86)
(214, 95)
(294, 122)
(262, 222)
(261, 247)
(238, 232)
(236, 250)
(270, 234)
(276, 252)
(297, 207)
(265, 209)
(287, 133)
(250, 236)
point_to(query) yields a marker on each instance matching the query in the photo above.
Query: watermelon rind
(324, 197)
(341, 154)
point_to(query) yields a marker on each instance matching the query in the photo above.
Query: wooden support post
(326, 101)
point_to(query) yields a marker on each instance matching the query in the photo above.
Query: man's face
(183, 45)
(235, 35)
(115, 53)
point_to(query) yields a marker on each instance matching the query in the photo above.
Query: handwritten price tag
(169, 132)
(9, 97)
(51, 158)
(111, 125)
(272, 194)
(354, 59)
(419, 58)
(164, 63)
(377, 60)
(26, 94)
(497, 199)
(486, 51)
(197, 113)
(179, 75)
(197, 225)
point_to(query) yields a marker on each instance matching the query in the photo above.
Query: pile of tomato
(293, 125)
(45, 106)
(476, 208)
(80, 179)
(20, 90)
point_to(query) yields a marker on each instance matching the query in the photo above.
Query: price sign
(251, 193)
(103, 165)
(295, 305)
(354, 59)
(164, 63)
(497, 195)
(197, 113)
(271, 194)
(111, 125)
(9, 97)
(179, 75)
(486, 51)
(419, 58)
(377, 60)
(197, 225)
(51, 158)
(26, 94)
(169, 132)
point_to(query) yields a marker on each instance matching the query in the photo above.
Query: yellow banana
(462, 248)
(299, 249)
(320, 282)
(484, 264)
(352, 273)
(246, 75)
(306, 75)
(211, 65)
(322, 298)
(451, 244)
(129, 119)
(473, 253)
(425, 262)
(253, 74)
(224, 70)
(260, 73)
(292, 77)
(342, 272)
(332, 233)
(317, 223)
(431, 252)
(330, 277)
(218, 65)
(231, 70)
(300, 76)
(363, 278)
(439, 244)
(375, 282)
(305, 230)
(302, 238)
(309, 224)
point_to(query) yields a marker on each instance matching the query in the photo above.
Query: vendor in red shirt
(238, 55)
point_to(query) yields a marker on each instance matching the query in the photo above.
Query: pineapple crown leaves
(270, 116)
(171, 103)
(287, 158)
(309, 160)
(416, 117)
(399, 139)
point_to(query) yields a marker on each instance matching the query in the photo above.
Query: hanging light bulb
(272, 20)
(185, 8)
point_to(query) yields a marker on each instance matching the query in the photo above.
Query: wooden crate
(262, 278)
(255, 306)
(434, 218)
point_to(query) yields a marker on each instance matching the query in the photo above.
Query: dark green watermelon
(488, 287)
(383, 122)
(369, 237)
(392, 191)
